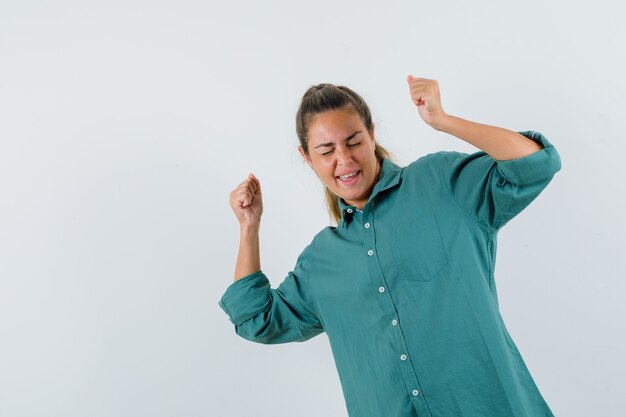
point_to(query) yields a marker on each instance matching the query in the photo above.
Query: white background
(124, 125)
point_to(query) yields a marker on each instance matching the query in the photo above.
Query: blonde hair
(324, 97)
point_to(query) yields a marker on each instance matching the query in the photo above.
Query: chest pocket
(419, 251)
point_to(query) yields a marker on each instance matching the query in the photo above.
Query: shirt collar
(390, 175)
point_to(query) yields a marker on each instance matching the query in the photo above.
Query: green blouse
(405, 290)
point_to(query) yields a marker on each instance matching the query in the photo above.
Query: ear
(305, 156)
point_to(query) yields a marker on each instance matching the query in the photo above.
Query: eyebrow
(345, 140)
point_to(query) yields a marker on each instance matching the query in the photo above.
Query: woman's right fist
(247, 202)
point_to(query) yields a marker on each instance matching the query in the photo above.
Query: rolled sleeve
(269, 315)
(246, 297)
(535, 167)
(493, 192)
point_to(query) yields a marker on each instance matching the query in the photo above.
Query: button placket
(408, 370)
(377, 275)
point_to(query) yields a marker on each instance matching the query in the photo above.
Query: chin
(351, 197)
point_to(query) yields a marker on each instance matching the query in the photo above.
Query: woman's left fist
(425, 95)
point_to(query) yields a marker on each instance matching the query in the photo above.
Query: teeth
(343, 177)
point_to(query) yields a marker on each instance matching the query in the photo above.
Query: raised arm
(499, 143)
(259, 312)
(495, 184)
(247, 203)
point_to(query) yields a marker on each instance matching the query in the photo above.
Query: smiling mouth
(349, 178)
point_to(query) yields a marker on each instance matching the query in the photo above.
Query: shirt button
(381, 289)
(403, 357)
(349, 211)
(370, 252)
(367, 225)
(394, 322)
(415, 393)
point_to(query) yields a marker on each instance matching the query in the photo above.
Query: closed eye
(350, 145)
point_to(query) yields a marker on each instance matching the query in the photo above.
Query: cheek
(323, 169)
(326, 168)
(365, 158)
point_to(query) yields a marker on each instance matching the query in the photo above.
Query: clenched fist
(425, 95)
(247, 202)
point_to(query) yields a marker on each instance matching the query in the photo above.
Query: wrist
(249, 229)
(441, 122)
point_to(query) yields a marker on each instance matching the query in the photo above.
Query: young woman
(404, 284)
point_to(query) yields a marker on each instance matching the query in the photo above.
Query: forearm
(248, 258)
(499, 143)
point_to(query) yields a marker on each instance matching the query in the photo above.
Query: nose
(343, 155)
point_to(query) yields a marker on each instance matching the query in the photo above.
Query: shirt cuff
(535, 167)
(246, 297)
